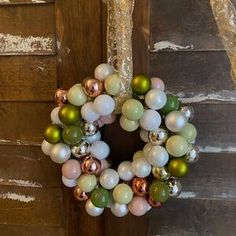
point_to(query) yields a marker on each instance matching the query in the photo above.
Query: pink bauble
(138, 206)
(157, 83)
(71, 169)
(100, 123)
(108, 119)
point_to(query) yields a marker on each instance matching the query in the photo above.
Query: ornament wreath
(74, 140)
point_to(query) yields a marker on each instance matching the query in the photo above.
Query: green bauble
(113, 84)
(128, 125)
(172, 104)
(177, 146)
(159, 191)
(72, 135)
(52, 133)
(189, 132)
(69, 114)
(141, 84)
(178, 167)
(100, 197)
(132, 109)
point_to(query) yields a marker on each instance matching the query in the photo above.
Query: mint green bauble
(113, 84)
(100, 197)
(128, 125)
(76, 95)
(122, 194)
(159, 191)
(132, 109)
(87, 182)
(72, 135)
(189, 132)
(177, 146)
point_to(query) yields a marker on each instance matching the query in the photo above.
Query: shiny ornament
(138, 206)
(93, 138)
(87, 182)
(141, 84)
(175, 121)
(88, 113)
(178, 167)
(81, 149)
(175, 187)
(104, 105)
(60, 153)
(109, 178)
(107, 120)
(72, 135)
(93, 87)
(144, 135)
(155, 99)
(160, 173)
(157, 156)
(69, 114)
(124, 170)
(153, 203)
(91, 165)
(119, 210)
(177, 146)
(100, 197)
(141, 168)
(138, 154)
(89, 129)
(46, 147)
(102, 71)
(79, 195)
(150, 120)
(76, 95)
(92, 210)
(159, 191)
(132, 109)
(105, 164)
(61, 97)
(113, 84)
(172, 104)
(140, 186)
(70, 183)
(128, 125)
(55, 116)
(52, 133)
(188, 112)
(100, 150)
(189, 132)
(192, 154)
(122, 194)
(157, 83)
(71, 169)
(158, 137)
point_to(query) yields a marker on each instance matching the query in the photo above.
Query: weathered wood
(16, 2)
(193, 218)
(198, 76)
(27, 30)
(30, 206)
(79, 39)
(185, 23)
(28, 78)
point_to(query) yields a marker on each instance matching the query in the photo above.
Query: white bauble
(175, 121)
(125, 171)
(55, 117)
(147, 147)
(158, 156)
(46, 147)
(100, 150)
(104, 105)
(119, 210)
(88, 113)
(109, 178)
(155, 99)
(92, 210)
(150, 120)
(141, 167)
(102, 71)
(144, 135)
(60, 153)
(70, 183)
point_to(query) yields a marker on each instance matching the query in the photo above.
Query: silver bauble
(90, 128)
(175, 187)
(160, 173)
(81, 149)
(188, 112)
(158, 137)
(192, 155)
(175, 121)
(119, 210)
(60, 153)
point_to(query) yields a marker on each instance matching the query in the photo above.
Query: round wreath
(74, 140)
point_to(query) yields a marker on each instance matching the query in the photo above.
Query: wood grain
(27, 29)
(16, 2)
(28, 78)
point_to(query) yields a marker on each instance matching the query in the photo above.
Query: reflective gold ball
(141, 84)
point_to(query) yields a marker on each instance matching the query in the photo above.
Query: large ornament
(159, 191)
(141, 84)
(92, 87)
(52, 133)
(178, 167)
(69, 114)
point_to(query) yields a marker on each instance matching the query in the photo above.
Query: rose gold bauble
(153, 203)
(80, 195)
(61, 97)
(93, 87)
(91, 165)
(140, 186)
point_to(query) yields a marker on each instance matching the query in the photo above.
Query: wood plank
(36, 170)
(184, 23)
(28, 78)
(197, 76)
(79, 39)
(193, 218)
(30, 206)
(27, 29)
(16, 2)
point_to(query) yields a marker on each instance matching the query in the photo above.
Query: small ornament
(93, 138)
(157, 156)
(61, 97)
(140, 186)
(132, 109)
(188, 112)
(60, 153)
(46, 147)
(160, 173)
(90, 128)
(125, 171)
(92, 210)
(102, 71)
(104, 105)
(52, 133)
(92, 87)
(150, 120)
(177, 146)
(109, 178)
(100, 197)
(189, 132)
(138, 154)
(138, 206)
(159, 191)
(141, 168)
(100, 150)
(175, 121)
(119, 210)
(122, 194)
(113, 84)
(172, 104)
(141, 84)
(70, 183)
(155, 99)
(90, 165)
(192, 154)
(71, 169)
(175, 187)
(88, 113)
(178, 167)
(72, 134)
(55, 116)
(69, 114)
(87, 182)
(158, 137)
(76, 95)
(107, 120)
(79, 195)
(153, 203)
(144, 135)
(81, 149)
(157, 83)
(128, 125)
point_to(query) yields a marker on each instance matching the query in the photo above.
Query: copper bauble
(93, 87)
(140, 186)
(91, 165)
(80, 195)
(60, 97)
(153, 203)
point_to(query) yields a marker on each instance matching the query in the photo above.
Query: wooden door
(49, 44)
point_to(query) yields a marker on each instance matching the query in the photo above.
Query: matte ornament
(189, 132)
(81, 149)
(79, 195)
(158, 137)
(122, 194)
(159, 191)
(109, 178)
(140, 186)
(72, 135)
(175, 187)
(69, 114)
(175, 121)
(192, 154)
(138, 206)
(104, 105)
(52, 133)
(150, 120)
(61, 97)
(160, 173)
(60, 153)
(141, 168)
(100, 197)
(87, 182)
(157, 156)
(93, 87)
(172, 104)
(155, 99)
(119, 210)
(102, 71)
(125, 171)
(90, 165)
(46, 147)
(128, 125)
(113, 84)
(132, 109)
(88, 113)
(90, 129)
(71, 169)
(157, 83)
(92, 210)
(141, 84)
(177, 146)
(76, 95)
(178, 167)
